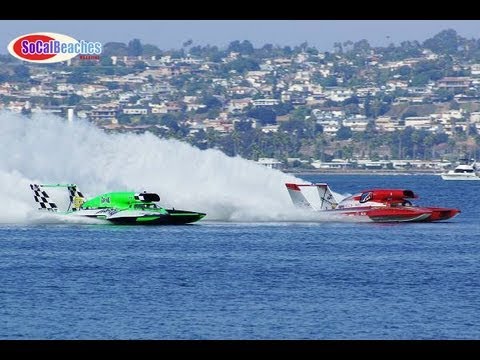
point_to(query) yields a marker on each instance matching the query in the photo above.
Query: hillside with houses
(407, 105)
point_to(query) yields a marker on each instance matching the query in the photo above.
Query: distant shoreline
(361, 172)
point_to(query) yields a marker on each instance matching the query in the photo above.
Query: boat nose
(448, 213)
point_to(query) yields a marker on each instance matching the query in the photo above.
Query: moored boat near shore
(463, 171)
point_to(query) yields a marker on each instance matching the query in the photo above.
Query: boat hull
(132, 217)
(460, 177)
(407, 214)
(174, 217)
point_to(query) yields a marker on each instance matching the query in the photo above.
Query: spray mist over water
(46, 149)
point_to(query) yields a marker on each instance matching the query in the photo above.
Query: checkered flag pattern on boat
(76, 197)
(42, 198)
(72, 192)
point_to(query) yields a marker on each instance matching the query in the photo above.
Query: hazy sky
(168, 34)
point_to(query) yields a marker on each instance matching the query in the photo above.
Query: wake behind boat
(378, 205)
(117, 207)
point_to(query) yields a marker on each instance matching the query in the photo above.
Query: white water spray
(47, 149)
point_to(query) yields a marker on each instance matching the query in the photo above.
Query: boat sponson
(174, 217)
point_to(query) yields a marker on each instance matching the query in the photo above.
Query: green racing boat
(123, 207)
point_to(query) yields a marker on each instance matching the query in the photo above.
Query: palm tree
(337, 46)
(348, 43)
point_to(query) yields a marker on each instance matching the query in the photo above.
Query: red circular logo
(17, 47)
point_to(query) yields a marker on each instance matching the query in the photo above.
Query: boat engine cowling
(382, 195)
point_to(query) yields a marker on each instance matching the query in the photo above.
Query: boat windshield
(404, 203)
(463, 171)
(145, 206)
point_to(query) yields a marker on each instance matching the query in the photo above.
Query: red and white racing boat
(379, 205)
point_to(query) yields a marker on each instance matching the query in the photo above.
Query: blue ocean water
(221, 280)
